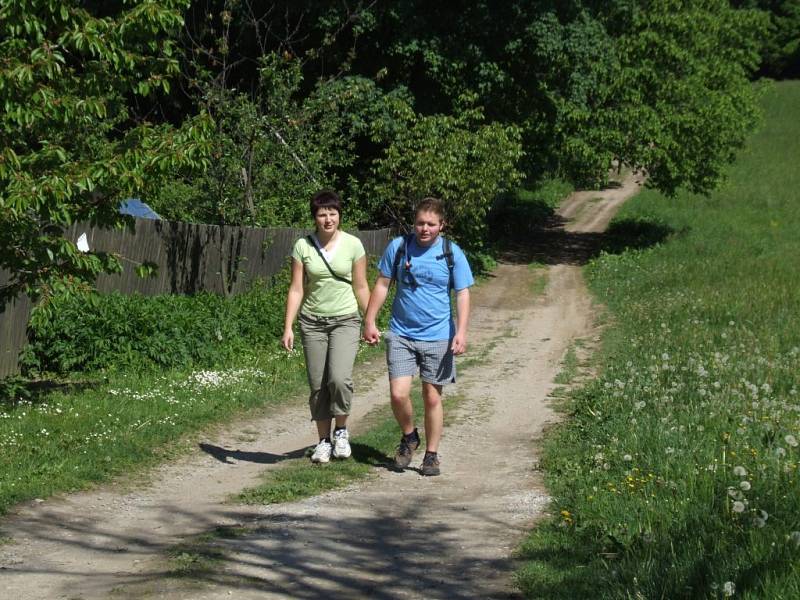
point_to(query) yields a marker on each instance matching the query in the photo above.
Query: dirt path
(397, 536)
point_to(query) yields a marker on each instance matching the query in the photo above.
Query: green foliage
(121, 332)
(780, 55)
(457, 159)
(677, 472)
(71, 146)
(682, 103)
(659, 86)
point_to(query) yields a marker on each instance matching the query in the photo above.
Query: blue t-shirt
(422, 312)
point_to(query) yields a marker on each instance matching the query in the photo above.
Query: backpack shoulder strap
(402, 249)
(447, 252)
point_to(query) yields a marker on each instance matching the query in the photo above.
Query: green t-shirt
(323, 295)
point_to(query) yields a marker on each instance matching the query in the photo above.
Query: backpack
(447, 253)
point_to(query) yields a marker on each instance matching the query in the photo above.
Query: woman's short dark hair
(325, 199)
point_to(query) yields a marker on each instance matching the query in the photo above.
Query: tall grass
(676, 475)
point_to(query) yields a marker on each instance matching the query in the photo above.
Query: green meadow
(675, 471)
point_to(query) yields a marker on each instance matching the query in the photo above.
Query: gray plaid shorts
(434, 359)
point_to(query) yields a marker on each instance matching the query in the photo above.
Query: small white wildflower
(744, 486)
(740, 471)
(738, 506)
(729, 589)
(791, 440)
(669, 450)
(627, 458)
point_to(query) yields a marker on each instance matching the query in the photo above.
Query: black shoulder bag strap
(322, 256)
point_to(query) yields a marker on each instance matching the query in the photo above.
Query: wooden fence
(190, 258)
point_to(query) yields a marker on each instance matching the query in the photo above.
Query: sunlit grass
(70, 439)
(677, 474)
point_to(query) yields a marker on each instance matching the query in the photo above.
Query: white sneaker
(341, 444)
(322, 453)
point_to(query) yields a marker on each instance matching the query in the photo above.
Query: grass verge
(677, 474)
(69, 439)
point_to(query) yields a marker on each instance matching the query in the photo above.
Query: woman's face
(327, 220)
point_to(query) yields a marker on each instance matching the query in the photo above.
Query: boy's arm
(459, 345)
(376, 300)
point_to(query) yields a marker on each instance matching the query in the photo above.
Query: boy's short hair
(430, 204)
(325, 199)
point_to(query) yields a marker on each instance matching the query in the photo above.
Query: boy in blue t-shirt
(422, 334)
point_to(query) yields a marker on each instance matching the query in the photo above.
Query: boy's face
(427, 226)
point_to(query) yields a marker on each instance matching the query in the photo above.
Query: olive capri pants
(330, 345)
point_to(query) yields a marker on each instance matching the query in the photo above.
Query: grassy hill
(676, 474)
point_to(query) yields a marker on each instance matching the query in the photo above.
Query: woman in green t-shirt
(328, 286)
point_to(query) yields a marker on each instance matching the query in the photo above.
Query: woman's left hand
(288, 340)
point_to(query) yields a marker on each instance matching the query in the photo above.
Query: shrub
(134, 332)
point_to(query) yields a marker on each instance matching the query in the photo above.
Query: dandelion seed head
(791, 440)
(738, 506)
(729, 589)
(745, 486)
(740, 471)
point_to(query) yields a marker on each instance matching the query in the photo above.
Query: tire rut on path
(398, 535)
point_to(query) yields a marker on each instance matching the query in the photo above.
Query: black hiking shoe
(402, 457)
(430, 464)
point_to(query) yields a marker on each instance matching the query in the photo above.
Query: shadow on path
(549, 243)
(304, 554)
(265, 458)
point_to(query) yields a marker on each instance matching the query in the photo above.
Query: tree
(780, 55)
(460, 159)
(72, 144)
(662, 86)
(682, 102)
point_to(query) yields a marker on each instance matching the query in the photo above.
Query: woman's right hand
(288, 340)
